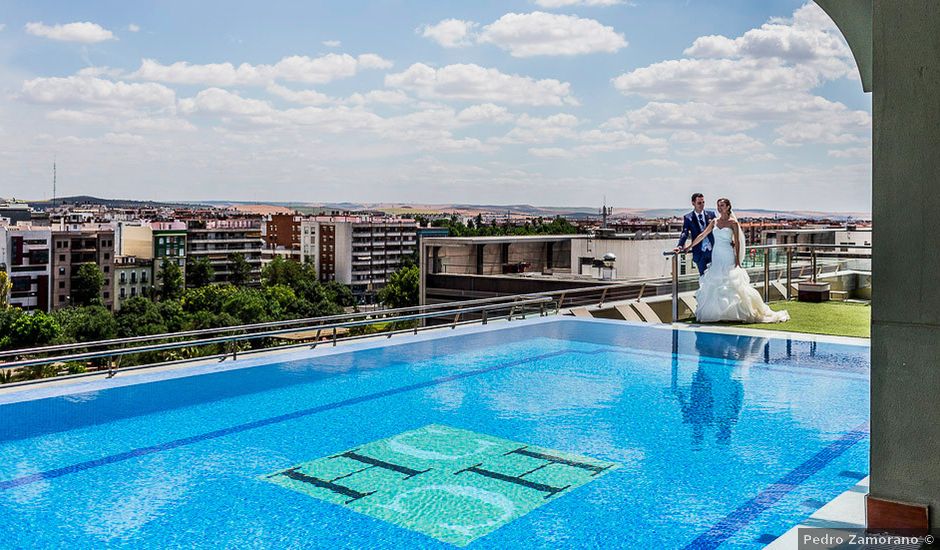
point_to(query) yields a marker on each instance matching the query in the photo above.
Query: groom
(693, 224)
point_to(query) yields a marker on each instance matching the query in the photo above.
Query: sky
(543, 102)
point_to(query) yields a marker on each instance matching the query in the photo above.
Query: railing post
(814, 264)
(456, 318)
(642, 290)
(603, 297)
(542, 309)
(561, 301)
(789, 295)
(485, 315)
(766, 275)
(334, 337)
(512, 310)
(675, 287)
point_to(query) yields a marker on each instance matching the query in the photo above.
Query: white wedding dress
(725, 292)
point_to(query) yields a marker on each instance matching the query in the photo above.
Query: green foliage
(249, 306)
(208, 298)
(26, 331)
(86, 285)
(4, 288)
(339, 294)
(199, 273)
(171, 280)
(402, 288)
(558, 226)
(86, 324)
(139, 316)
(239, 269)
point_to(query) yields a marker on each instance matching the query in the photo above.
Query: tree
(86, 324)
(86, 285)
(139, 317)
(239, 269)
(402, 288)
(26, 331)
(171, 280)
(339, 293)
(4, 288)
(199, 273)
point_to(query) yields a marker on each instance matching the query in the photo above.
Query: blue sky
(548, 102)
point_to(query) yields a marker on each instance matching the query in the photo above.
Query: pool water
(544, 434)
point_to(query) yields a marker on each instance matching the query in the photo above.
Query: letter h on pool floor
(520, 479)
(331, 485)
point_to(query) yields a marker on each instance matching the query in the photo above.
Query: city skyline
(384, 102)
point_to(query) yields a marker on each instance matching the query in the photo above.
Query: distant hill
(111, 203)
(462, 209)
(574, 212)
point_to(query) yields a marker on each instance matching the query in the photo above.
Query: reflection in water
(715, 397)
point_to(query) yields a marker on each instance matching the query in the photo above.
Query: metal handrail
(234, 328)
(110, 353)
(791, 249)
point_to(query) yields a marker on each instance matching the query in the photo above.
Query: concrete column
(905, 344)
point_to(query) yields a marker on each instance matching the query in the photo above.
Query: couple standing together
(725, 292)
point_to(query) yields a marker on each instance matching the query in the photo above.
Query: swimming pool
(535, 434)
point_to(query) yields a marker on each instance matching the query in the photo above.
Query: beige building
(74, 245)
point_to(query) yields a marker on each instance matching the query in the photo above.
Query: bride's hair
(728, 202)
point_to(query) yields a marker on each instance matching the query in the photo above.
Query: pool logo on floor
(450, 484)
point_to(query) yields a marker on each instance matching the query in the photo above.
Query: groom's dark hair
(695, 196)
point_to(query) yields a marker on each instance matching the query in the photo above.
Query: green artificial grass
(831, 318)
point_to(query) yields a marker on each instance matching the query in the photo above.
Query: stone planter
(813, 292)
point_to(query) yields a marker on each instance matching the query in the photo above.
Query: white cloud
(219, 101)
(535, 130)
(767, 75)
(304, 97)
(851, 152)
(86, 89)
(383, 97)
(486, 112)
(332, 43)
(551, 152)
(297, 68)
(133, 27)
(157, 125)
(450, 33)
(552, 4)
(672, 116)
(83, 32)
(540, 33)
(76, 117)
(709, 145)
(475, 83)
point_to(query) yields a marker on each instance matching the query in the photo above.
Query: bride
(725, 292)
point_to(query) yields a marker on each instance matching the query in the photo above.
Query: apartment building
(358, 251)
(77, 244)
(24, 255)
(218, 239)
(132, 277)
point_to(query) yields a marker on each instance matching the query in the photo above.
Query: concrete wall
(636, 258)
(905, 345)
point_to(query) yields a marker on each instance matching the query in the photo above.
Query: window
(61, 284)
(107, 269)
(133, 277)
(61, 299)
(61, 257)
(107, 256)
(122, 293)
(133, 291)
(107, 295)
(61, 271)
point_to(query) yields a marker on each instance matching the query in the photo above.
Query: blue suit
(692, 229)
